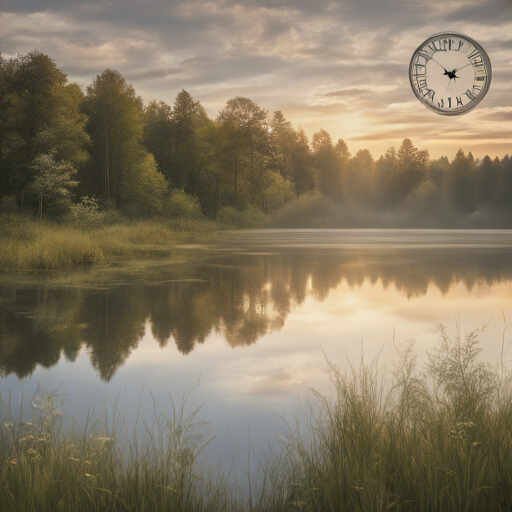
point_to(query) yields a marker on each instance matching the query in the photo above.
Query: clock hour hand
(445, 70)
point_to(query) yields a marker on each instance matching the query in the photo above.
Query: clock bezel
(485, 59)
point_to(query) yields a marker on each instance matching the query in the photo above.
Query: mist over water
(255, 320)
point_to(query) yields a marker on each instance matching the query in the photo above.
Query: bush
(301, 211)
(251, 217)
(182, 205)
(86, 212)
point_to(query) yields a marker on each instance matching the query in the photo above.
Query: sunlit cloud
(341, 66)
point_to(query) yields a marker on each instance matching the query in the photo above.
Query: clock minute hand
(455, 70)
(445, 70)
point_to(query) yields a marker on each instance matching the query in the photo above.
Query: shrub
(182, 205)
(251, 217)
(301, 211)
(86, 212)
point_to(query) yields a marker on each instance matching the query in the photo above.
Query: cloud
(341, 66)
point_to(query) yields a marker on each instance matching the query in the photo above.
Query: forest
(66, 153)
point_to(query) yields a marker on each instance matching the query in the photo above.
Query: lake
(251, 321)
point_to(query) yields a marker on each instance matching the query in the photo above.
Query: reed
(27, 244)
(389, 438)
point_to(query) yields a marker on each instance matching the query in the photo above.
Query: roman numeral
(477, 88)
(480, 78)
(449, 103)
(429, 95)
(461, 44)
(441, 103)
(478, 62)
(459, 101)
(474, 53)
(437, 48)
(422, 84)
(470, 95)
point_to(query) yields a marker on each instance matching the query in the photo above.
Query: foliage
(248, 218)
(300, 212)
(52, 184)
(143, 187)
(39, 114)
(86, 213)
(129, 154)
(182, 205)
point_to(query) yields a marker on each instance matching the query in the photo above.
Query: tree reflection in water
(242, 297)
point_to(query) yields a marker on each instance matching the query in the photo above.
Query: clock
(450, 73)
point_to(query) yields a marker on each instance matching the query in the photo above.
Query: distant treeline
(61, 149)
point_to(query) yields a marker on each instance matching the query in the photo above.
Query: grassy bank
(388, 439)
(27, 244)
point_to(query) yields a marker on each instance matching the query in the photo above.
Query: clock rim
(474, 103)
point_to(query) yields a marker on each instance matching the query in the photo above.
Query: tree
(303, 176)
(486, 180)
(459, 182)
(52, 184)
(158, 135)
(248, 130)
(40, 113)
(411, 168)
(330, 164)
(360, 181)
(189, 116)
(115, 128)
(143, 188)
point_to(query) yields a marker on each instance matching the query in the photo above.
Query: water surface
(254, 320)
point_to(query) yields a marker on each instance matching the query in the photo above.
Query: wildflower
(89, 476)
(31, 451)
(9, 426)
(476, 443)
(13, 462)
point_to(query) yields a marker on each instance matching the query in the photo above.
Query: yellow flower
(90, 476)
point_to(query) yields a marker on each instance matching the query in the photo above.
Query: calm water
(254, 321)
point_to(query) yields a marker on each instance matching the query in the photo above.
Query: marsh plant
(388, 438)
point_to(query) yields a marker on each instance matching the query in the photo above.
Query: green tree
(189, 116)
(40, 113)
(52, 184)
(249, 144)
(303, 176)
(143, 188)
(115, 128)
(158, 135)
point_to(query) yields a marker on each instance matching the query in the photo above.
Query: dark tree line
(59, 143)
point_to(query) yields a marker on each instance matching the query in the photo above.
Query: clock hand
(455, 70)
(445, 70)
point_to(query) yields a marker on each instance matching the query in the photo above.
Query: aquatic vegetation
(27, 244)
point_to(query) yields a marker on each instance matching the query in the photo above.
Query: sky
(341, 66)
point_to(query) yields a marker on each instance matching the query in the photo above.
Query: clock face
(450, 73)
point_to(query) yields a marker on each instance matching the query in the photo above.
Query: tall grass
(98, 466)
(389, 438)
(27, 244)
(400, 439)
